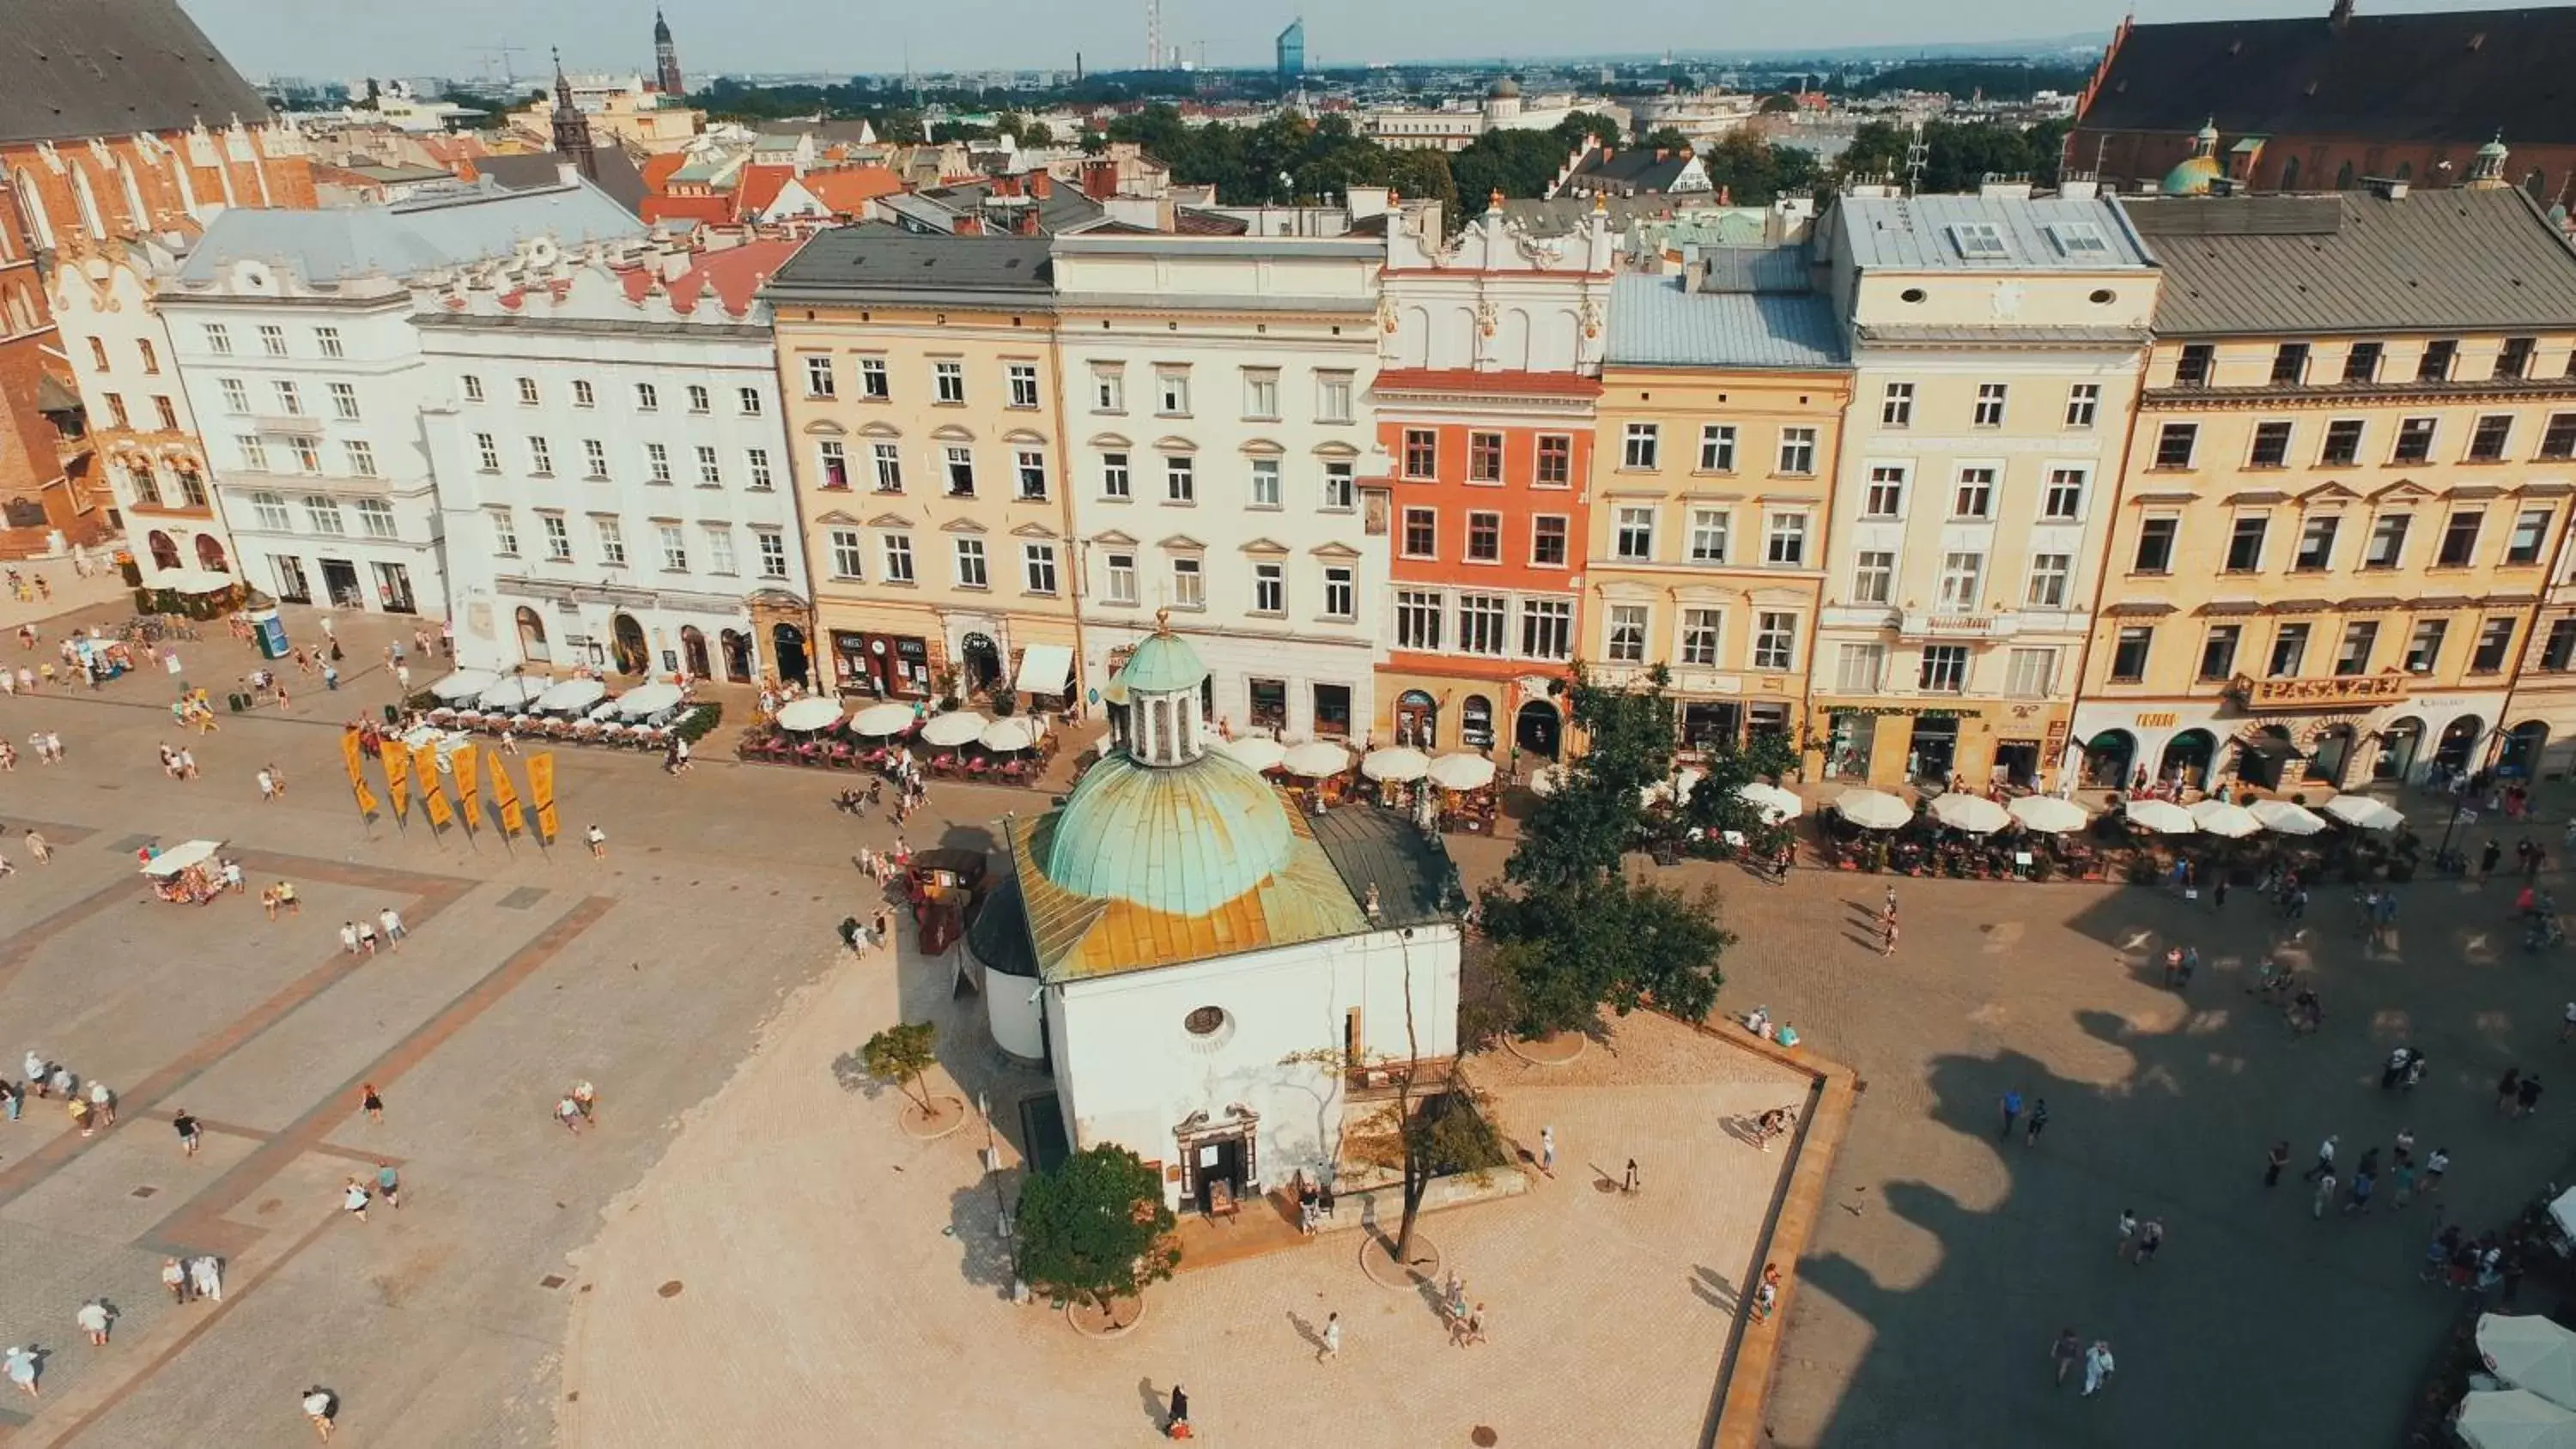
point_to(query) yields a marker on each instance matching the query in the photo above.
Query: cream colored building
(2352, 466)
(1721, 404)
(919, 376)
(1996, 341)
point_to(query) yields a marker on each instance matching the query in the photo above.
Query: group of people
(90, 1104)
(578, 1107)
(358, 937)
(46, 744)
(2408, 1175)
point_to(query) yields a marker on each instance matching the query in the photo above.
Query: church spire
(571, 128)
(666, 60)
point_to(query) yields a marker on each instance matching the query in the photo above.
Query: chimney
(1041, 185)
(1027, 222)
(567, 173)
(2341, 15)
(1100, 179)
(969, 225)
(1663, 155)
(1006, 186)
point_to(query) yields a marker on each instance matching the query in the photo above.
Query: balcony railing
(1953, 624)
(2333, 691)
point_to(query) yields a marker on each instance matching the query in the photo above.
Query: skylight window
(2079, 239)
(1981, 241)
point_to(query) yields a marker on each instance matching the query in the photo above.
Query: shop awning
(1044, 668)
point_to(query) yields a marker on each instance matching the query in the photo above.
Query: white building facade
(611, 461)
(1217, 409)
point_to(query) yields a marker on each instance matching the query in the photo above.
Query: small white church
(1168, 941)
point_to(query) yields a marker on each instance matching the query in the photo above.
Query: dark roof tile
(77, 68)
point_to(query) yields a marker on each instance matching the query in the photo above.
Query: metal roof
(2354, 261)
(79, 68)
(406, 238)
(1416, 881)
(2027, 234)
(1655, 323)
(876, 260)
(1276, 248)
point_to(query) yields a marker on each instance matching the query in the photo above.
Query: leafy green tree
(1036, 134)
(1095, 1229)
(1777, 105)
(1579, 124)
(1662, 138)
(900, 1054)
(1515, 163)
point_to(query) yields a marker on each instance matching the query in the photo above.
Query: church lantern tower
(571, 127)
(666, 60)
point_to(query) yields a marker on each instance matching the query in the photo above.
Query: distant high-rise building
(666, 59)
(1292, 50)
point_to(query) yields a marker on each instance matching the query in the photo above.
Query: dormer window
(1980, 241)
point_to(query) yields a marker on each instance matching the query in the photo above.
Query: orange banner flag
(424, 767)
(546, 823)
(439, 813)
(366, 798)
(541, 781)
(398, 778)
(505, 791)
(508, 810)
(469, 795)
(349, 751)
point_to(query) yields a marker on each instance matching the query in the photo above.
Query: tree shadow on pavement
(974, 1219)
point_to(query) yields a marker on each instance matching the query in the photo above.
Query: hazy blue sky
(350, 38)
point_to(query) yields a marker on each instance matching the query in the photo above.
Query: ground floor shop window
(1934, 752)
(1711, 724)
(1333, 711)
(1417, 720)
(2017, 763)
(1269, 703)
(889, 666)
(289, 572)
(1848, 743)
(1476, 723)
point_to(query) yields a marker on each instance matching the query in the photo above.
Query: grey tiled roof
(339, 243)
(878, 260)
(1916, 233)
(71, 68)
(1654, 323)
(1416, 881)
(2357, 262)
(617, 174)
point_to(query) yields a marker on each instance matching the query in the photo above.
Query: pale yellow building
(919, 374)
(2351, 469)
(1721, 404)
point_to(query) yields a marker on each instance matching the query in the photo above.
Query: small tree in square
(1095, 1229)
(900, 1054)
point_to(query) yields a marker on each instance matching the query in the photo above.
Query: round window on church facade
(1206, 1021)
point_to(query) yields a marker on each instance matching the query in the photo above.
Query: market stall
(187, 873)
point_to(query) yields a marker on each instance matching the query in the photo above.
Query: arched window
(31, 211)
(2405, 170)
(210, 555)
(87, 200)
(2290, 174)
(165, 554)
(2343, 177)
(133, 198)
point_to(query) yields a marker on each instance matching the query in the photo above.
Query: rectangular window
(2290, 364)
(2361, 362)
(2424, 646)
(237, 397)
(1023, 380)
(1944, 669)
(657, 463)
(1332, 397)
(1114, 482)
(2414, 440)
(2063, 502)
(1885, 496)
(219, 340)
(2129, 654)
(2460, 539)
(2343, 443)
(970, 564)
(2155, 546)
(2194, 364)
(541, 457)
(272, 515)
(272, 340)
(1261, 394)
(558, 537)
(1896, 406)
(700, 400)
(1270, 588)
(2316, 544)
(1635, 534)
(1108, 390)
(1421, 453)
(897, 551)
(836, 464)
(1030, 466)
(2487, 439)
(1180, 478)
(1484, 537)
(375, 518)
(1484, 457)
(1421, 533)
(2083, 400)
(583, 396)
(2495, 643)
(2051, 575)
(360, 456)
(1717, 448)
(2030, 673)
(505, 531)
(2559, 650)
(1797, 452)
(344, 402)
(528, 392)
(2435, 363)
(1858, 668)
(647, 398)
(2245, 544)
(1990, 405)
(1974, 494)
(1709, 529)
(1547, 628)
(773, 552)
(2513, 360)
(675, 547)
(1637, 449)
(2218, 651)
(1172, 391)
(961, 471)
(1547, 541)
(2174, 444)
(1625, 639)
(612, 540)
(1418, 616)
(1480, 624)
(948, 381)
(2558, 440)
(1963, 579)
(710, 470)
(473, 387)
(1189, 584)
(1775, 641)
(756, 463)
(1037, 566)
(2530, 535)
(323, 513)
(290, 399)
(719, 548)
(2359, 638)
(2271, 445)
(1873, 576)
(2289, 651)
(1265, 483)
(875, 384)
(886, 461)
(487, 452)
(1701, 630)
(1784, 540)
(1122, 578)
(1341, 488)
(116, 406)
(747, 400)
(849, 558)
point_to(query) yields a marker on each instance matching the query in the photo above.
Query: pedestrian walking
(2097, 1367)
(2151, 1236)
(13, 1099)
(1887, 937)
(23, 1367)
(568, 1112)
(2436, 1162)
(267, 788)
(389, 1185)
(1629, 1184)
(80, 1110)
(1547, 1150)
(366, 938)
(102, 1103)
(598, 839)
(393, 924)
(2325, 1159)
(2038, 1122)
(2364, 1182)
(349, 937)
(174, 1278)
(2065, 1353)
(2527, 1097)
(883, 929)
(2218, 892)
(206, 1277)
(2325, 1193)
(2404, 1175)
(186, 1127)
(2274, 1161)
(1332, 1338)
(353, 1199)
(44, 854)
(321, 1406)
(2566, 1022)
(586, 1097)
(1176, 1424)
(371, 1102)
(2508, 1089)
(2011, 1110)
(2128, 1233)
(93, 1319)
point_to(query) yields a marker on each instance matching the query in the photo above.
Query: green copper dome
(1163, 664)
(1184, 840)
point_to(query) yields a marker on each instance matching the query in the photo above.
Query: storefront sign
(2164, 721)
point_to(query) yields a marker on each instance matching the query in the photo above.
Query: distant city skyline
(331, 39)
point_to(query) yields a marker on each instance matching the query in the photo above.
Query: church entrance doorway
(1220, 1159)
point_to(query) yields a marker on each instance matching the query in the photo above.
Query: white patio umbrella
(2513, 1419)
(1677, 789)
(1316, 760)
(954, 728)
(1255, 752)
(2161, 816)
(647, 699)
(463, 685)
(572, 696)
(1775, 803)
(1016, 733)
(1462, 772)
(879, 720)
(1974, 814)
(511, 694)
(2048, 815)
(2363, 812)
(2530, 1352)
(808, 714)
(2286, 817)
(1547, 779)
(2563, 1211)
(1396, 764)
(2227, 822)
(1872, 809)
